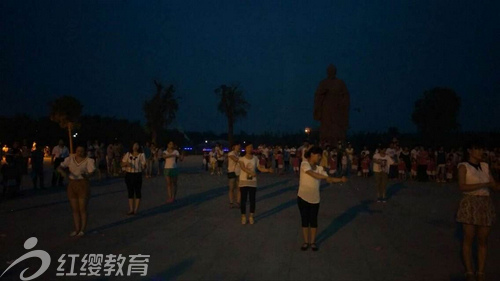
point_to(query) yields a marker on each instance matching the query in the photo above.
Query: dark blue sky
(107, 53)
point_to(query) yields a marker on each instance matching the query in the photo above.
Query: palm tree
(66, 111)
(160, 110)
(232, 103)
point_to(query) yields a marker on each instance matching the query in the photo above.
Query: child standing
(279, 160)
(449, 169)
(344, 164)
(365, 165)
(262, 160)
(402, 170)
(295, 164)
(413, 174)
(324, 159)
(431, 168)
(354, 164)
(213, 161)
(333, 163)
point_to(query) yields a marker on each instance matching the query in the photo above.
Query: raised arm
(264, 170)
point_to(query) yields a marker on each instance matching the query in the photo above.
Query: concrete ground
(412, 237)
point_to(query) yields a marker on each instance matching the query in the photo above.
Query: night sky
(107, 53)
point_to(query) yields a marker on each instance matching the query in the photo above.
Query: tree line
(435, 115)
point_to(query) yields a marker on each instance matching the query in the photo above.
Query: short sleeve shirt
(77, 169)
(309, 186)
(251, 164)
(232, 166)
(384, 166)
(171, 162)
(59, 152)
(475, 176)
(136, 162)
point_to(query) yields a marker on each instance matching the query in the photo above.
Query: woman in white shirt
(171, 172)
(381, 165)
(308, 196)
(80, 168)
(133, 163)
(233, 173)
(476, 211)
(249, 164)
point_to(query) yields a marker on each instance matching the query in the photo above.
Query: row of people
(79, 167)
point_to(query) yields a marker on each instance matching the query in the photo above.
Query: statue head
(331, 71)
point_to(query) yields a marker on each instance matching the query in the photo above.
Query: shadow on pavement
(395, 189)
(190, 200)
(282, 206)
(343, 219)
(277, 192)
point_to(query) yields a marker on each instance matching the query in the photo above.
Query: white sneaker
(243, 220)
(73, 234)
(251, 220)
(80, 234)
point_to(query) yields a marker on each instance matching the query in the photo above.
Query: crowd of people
(474, 167)
(419, 163)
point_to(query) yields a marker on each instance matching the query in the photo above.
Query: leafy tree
(436, 113)
(66, 111)
(160, 110)
(232, 103)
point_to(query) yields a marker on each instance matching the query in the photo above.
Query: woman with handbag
(233, 173)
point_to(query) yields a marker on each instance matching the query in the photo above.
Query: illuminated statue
(331, 107)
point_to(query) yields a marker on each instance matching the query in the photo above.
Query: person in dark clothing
(37, 166)
(11, 176)
(406, 158)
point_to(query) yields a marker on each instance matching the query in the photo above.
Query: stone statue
(331, 107)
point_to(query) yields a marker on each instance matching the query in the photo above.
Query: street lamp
(307, 130)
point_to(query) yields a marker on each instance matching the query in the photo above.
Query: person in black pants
(37, 166)
(308, 196)
(249, 165)
(133, 163)
(422, 158)
(59, 153)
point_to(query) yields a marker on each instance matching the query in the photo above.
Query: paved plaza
(412, 237)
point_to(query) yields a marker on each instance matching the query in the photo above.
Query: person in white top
(219, 154)
(381, 165)
(365, 151)
(171, 172)
(59, 153)
(133, 163)
(80, 168)
(476, 211)
(308, 196)
(249, 164)
(212, 160)
(233, 173)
